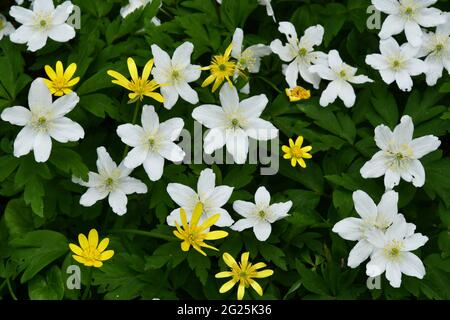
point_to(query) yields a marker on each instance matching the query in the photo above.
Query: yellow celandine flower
(60, 82)
(194, 235)
(244, 273)
(139, 86)
(296, 153)
(221, 68)
(298, 93)
(90, 252)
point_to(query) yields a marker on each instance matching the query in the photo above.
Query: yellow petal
(73, 82)
(66, 91)
(294, 162)
(103, 244)
(255, 285)
(244, 259)
(287, 156)
(302, 163)
(76, 249)
(264, 273)
(299, 141)
(178, 234)
(291, 143)
(185, 246)
(203, 244)
(79, 259)
(93, 238)
(208, 81)
(133, 69)
(147, 70)
(106, 255)
(214, 235)
(156, 96)
(199, 250)
(59, 70)
(183, 218)
(241, 291)
(70, 71)
(286, 149)
(307, 156)
(307, 149)
(258, 265)
(209, 222)
(217, 84)
(228, 50)
(196, 214)
(98, 264)
(224, 274)
(58, 93)
(120, 79)
(227, 286)
(83, 241)
(50, 72)
(229, 260)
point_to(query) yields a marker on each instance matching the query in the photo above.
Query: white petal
(64, 130)
(414, 242)
(225, 219)
(424, 145)
(210, 116)
(416, 67)
(150, 119)
(64, 104)
(389, 47)
(24, 141)
(279, 211)
(330, 94)
(262, 230)
(391, 179)
(182, 195)
(386, 6)
(243, 224)
(132, 185)
(154, 166)
(360, 79)
(404, 80)
(435, 68)
(403, 132)
(118, 201)
(19, 116)
(237, 144)
(62, 33)
(346, 93)
(398, 228)
(393, 25)
(42, 147)
(219, 196)
(39, 96)
(182, 55)
(323, 71)
(206, 184)
(364, 205)
(411, 265)
(244, 208)
(130, 134)
(313, 35)
(171, 152)
(253, 107)
(22, 15)
(286, 53)
(92, 195)
(161, 58)
(261, 130)
(349, 229)
(238, 38)
(262, 197)
(170, 94)
(289, 30)
(387, 208)
(43, 5)
(393, 274)
(187, 93)
(388, 75)
(192, 73)
(383, 136)
(136, 156)
(62, 12)
(171, 129)
(375, 167)
(418, 173)
(376, 265)
(413, 33)
(359, 253)
(376, 237)
(430, 17)
(229, 98)
(312, 78)
(105, 163)
(334, 60)
(292, 74)
(214, 139)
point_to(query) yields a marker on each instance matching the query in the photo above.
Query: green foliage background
(39, 205)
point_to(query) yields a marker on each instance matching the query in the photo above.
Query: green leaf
(69, 162)
(311, 280)
(19, 218)
(200, 264)
(100, 105)
(273, 254)
(33, 194)
(50, 287)
(7, 166)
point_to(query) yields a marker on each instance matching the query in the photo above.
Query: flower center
(393, 249)
(222, 67)
(2, 24)
(343, 74)
(302, 52)
(297, 152)
(43, 23)
(439, 47)
(262, 214)
(176, 75)
(109, 184)
(41, 123)
(235, 123)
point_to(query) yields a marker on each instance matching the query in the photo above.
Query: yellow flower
(139, 87)
(194, 235)
(90, 252)
(221, 68)
(296, 153)
(244, 273)
(61, 82)
(298, 93)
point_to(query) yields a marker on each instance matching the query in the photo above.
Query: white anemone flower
(392, 252)
(341, 76)
(436, 48)
(234, 123)
(372, 216)
(175, 74)
(261, 214)
(111, 181)
(42, 22)
(300, 53)
(408, 16)
(6, 28)
(249, 58)
(212, 197)
(43, 121)
(397, 63)
(399, 155)
(152, 143)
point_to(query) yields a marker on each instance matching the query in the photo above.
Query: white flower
(6, 28)
(341, 75)
(175, 74)
(399, 155)
(408, 15)
(42, 22)
(234, 123)
(436, 46)
(111, 181)
(300, 53)
(261, 214)
(133, 5)
(397, 63)
(392, 252)
(212, 198)
(372, 216)
(249, 58)
(152, 143)
(44, 120)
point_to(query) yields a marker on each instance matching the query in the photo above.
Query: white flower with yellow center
(111, 181)
(397, 63)
(300, 53)
(392, 252)
(372, 216)
(399, 155)
(341, 75)
(42, 22)
(212, 197)
(152, 143)
(43, 121)
(408, 16)
(6, 28)
(174, 75)
(261, 214)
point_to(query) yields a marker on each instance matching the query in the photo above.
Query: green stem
(135, 115)
(271, 84)
(11, 292)
(88, 287)
(150, 234)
